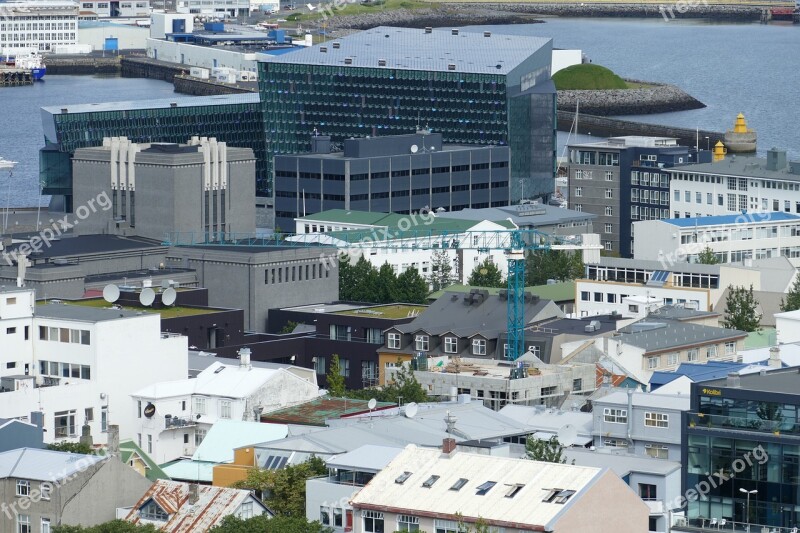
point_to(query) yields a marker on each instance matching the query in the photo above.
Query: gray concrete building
(202, 190)
(394, 173)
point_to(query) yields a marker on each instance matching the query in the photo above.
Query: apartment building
(38, 25)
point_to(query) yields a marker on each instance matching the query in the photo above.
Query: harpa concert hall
(472, 87)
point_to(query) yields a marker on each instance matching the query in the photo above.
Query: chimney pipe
(775, 357)
(448, 446)
(194, 493)
(450, 421)
(244, 359)
(734, 380)
(112, 444)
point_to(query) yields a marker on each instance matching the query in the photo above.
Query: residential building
(37, 25)
(134, 456)
(18, 434)
(328, 498)
(468, 325)
(393, 174)
(202, 188)
(74, 363)
(745, 427)
(175, 507)
(656, 481)
(548, 422)
(786, 324)
(112, 10)
(42, 489)
(549, 219)
(656, 343)
(622, 180)
(561, 292)
(731, 238)
(172, 418)
(217, 8)
(735, 185)
(699, 372)
(640, 423)
(435, 491)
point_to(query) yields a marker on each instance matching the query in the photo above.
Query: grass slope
(587, 77)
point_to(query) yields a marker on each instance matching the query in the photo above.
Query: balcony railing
(758, 425)
(174, 422)
(705, 525)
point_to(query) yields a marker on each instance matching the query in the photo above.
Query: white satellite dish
(147, 297)
(411, 410)
(414, 148)
(111, 293)
(372, 403)
(567, 435)
(168, 296)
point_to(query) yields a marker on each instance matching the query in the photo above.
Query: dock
(14, 77)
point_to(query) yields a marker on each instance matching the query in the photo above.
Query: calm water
(21, 122)
(732, 68)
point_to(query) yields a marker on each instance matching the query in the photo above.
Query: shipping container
(198, 72)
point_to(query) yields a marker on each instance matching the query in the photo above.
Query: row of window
(649, 179)
(64, 370)
(613, 415)
(395, 173)
(673, 359)
(650, 197)
(295, 273)
(609, 193)
(24, 524)
(73, 336)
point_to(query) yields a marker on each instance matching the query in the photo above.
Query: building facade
(397, 173)
(622, 180)
(117, 8)
(38, 25)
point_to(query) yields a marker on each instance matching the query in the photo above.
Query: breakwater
(198, 87)
(82, 64)
(647, 98)
(145, 67)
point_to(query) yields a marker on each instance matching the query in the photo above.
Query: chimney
(775, 357)
(194, 494)
(112, 446)
(244, 359)
(733, 380)
(37, 419)
(86, 435)
(450, 421)
(448, 446)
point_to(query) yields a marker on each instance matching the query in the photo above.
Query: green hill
(587, 77)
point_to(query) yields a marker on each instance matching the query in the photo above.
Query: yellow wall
(384, 358)
(226, 475)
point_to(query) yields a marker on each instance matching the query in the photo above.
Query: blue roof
(740, 218)
(697, 372)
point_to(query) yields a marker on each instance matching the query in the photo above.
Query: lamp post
(747, 512)
(708, 144)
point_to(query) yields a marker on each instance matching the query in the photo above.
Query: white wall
(161, 23)
(787, 326)
(200, 56)
(129, 37)
(664, 295)
(565, 58)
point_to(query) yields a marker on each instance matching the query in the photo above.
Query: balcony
(755, 425)
(656, 506)
(174, 422)
(706, 525)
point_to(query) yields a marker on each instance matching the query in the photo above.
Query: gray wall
(20, 435)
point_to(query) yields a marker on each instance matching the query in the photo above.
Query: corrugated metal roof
(739, 219)
(524, 509)
(317, 411)
(43, 465)
(226, 435)
(368, 458)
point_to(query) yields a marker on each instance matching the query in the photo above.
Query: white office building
(117, 9)
(74, 364)
(37, 25)
(736, 185)
(732, 238)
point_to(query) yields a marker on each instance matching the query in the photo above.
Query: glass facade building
(742, 436)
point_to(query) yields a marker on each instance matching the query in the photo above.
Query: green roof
(126, 450)
(317, 411)
(761, 339)
(165, 312)
(386, 311)
(558, 292)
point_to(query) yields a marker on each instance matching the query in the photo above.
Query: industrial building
(27, 26)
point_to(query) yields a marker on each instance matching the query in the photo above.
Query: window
(673, 359)
(421, 343)
(677, 195)
(320, 364)
(608, 228)
(45, 489)
(407, 523)
(24, 524)
(373, 521)
(615, 416)
(11, 331)
(392, 341)
(698, 196)
(199, 406)
(485, 487)
(653, 362)
(459, 484)
(609, 211)
(450, 344)
(337, 517)
(224, 409)
(730, 348)
(246, 510)
(609, 175)
(88, 414)
(478, 346)
(151, 511)
(692, 355)
(609, 194)
(64, 423)
(23, 487)
(324, 516)
(656, 451)
(548, 391)
(577, 384)
(656, 420)
(711, 352)
(199, 435)
(45, 525)
(428, 483)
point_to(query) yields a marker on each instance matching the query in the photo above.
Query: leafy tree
(72, 447)
(561, 265)
(549, 451)
(114, 526)
(404, 385)
(707, 257)
(441, 270)
(289, 327)
(387, 284)
(792, 302)
(284, 491)
(335, 378)
(486, 274)
(411, 287)
(358, 282)
(263, 524)
(741, 309)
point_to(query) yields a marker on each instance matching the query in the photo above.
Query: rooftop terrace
(165, 312)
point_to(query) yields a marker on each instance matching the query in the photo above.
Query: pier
(15, 77)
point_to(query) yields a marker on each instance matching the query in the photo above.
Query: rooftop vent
(381, 62)
(430, 481)
(451, 66)
(173, 104)
(64, 110)
(734, 380)
(323, 49)
(487, 34)
(337, 45)
(348, 60)
(428, 29)
(454, 31)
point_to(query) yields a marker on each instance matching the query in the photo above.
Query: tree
(358, 282)
(284, 491)
(792, 302)
(386, 287)
(441, 270)
(404, 385)
(289, 327)
(549, 451)
(71, 447)
(707, 257)
(542, 265)
(264, 524)
(486, 274)
(741, 309)
(335, 379)
(115, 526)
(411, 287)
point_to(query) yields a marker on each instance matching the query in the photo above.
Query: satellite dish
(411, 410)
(372, 403)
(111, 293)
(414, 148)
(168, 296)
(567, 435)
(147, 297)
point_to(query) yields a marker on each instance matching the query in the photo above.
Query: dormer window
(393, 341)
(478, 346)
(450, 345)
(152, 511)
(421, 343)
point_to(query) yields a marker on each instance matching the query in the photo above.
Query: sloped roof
(44, 465)
(524, 510)
(127, 448)
(558, 292)
(657, 335)
(644, 399)
(226, 435)
(367, 458)
(213, 504)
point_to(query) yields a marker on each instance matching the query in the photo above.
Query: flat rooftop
(741, 166)
(75, 246)
(414, 49)
(785, 381)
(738, 220)
(165, 312)
(485, 368)
(162, 103)
(386, 311)
(317, 411)
(629, 141)
(83, 313)
(523, 215)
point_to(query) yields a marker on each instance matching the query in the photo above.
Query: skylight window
(513, 490)
(551, 495)
(485, 487)
(559, 496)
(563, 496)
(459, 484)
(402, 478)
(430, 481)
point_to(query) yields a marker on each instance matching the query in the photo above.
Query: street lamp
(747, 512)
(708, 144)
